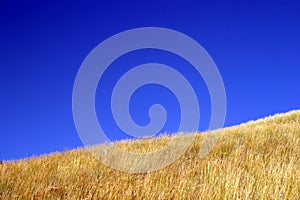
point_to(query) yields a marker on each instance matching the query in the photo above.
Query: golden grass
(256, 160)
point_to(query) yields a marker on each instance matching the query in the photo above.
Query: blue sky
(255, 45)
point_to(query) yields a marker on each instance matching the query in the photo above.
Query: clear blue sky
(255, 44)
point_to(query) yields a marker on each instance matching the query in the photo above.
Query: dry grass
(256, 160)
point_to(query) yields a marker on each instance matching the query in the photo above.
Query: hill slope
(256, 160)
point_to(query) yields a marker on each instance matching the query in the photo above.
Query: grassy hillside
(256, 160)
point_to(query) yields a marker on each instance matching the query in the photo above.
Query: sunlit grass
(256, 160)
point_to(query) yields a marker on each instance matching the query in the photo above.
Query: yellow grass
(256, 160)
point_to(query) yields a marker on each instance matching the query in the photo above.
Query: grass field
(256, 160)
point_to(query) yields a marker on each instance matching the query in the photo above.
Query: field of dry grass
(256, 160)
